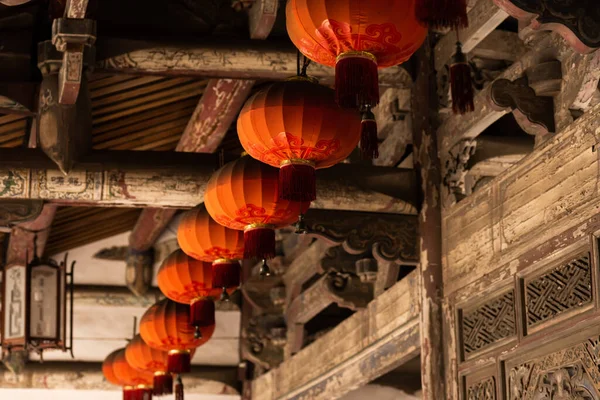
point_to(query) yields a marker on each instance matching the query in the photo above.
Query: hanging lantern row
(34, 306)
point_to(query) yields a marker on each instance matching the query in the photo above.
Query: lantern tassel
(179, 362)
(202, 312)
(369, 145)
(297, 182)
(226, 274)
(356, 80)
(259, 243)
(461, 83)
(179, 388)
(441, 14)
(163, 384)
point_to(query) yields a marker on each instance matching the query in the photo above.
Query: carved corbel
(17, 211)
(73, 36)
(263, 341)
(578, 22)
(456, 168)
(533, 113)
(389, 237)
(139, 271)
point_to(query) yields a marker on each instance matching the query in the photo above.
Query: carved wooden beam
(270, 60)
(500, 45)
(577, 22)
(132, 179)
(370, 343)
(88, 376)
(484, 17)
(389, 238)
(394, 123)
(17, 211)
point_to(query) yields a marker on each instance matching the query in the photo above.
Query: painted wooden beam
(88, 376)
(369, 344)
(178, 180)
(427, 166)
(483, 19)
(270, 60)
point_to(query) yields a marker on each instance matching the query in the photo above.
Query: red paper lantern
(165, 326)
(202, 238)
(146, 359)
(296, 126)
(137, 385)
(357, 37)
(244, 195)
(189, 281)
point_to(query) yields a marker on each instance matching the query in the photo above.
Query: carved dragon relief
(577, 21)
(569, 374)
(390, 237)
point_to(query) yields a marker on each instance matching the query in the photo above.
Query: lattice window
(566, 287)
(488, 324)
(483, 390)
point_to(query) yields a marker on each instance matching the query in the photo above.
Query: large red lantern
(244, 195)
(110, 375)
(202, 238)
(189, 281)
(296, 126)
(356, 37)
(165, 326)
(146, 359)
(137, 384)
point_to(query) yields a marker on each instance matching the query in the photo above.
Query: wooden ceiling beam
(239, 59)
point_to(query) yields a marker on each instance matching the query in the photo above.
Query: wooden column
(427, 167)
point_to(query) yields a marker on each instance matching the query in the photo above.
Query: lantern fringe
(297, 182)
(163, 384)
(128, 394)
(179, 388)
(202, 312)
(461, 83)
(259, 243)
(143, 394)
(369, 145)
(356, 81)
(441, 14)
(179, 362)
(226, 274)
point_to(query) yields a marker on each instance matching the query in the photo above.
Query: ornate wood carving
(336, 259)
(564, 288)
(488, 323)
(535, 114)
(263, 340)
(571, 373)
(456, 167)
(389, 237)
(483, 390)
(16, 211)
(578, 22)
(139, 270)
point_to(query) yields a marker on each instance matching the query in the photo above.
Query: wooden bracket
(389, 237)
(17, 211)
(535, 114)
(263, 340)
(456, 167)
(139, 270)
(578, 22)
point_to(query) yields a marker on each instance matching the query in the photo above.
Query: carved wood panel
(571, 373)
(562, 289)
(489, 323)
(482, 390)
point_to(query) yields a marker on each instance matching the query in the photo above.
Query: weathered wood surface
(548, 192)
(217, 59)
(88, 376)
(305, 266)
(261, 18)
(500, 45)
(428, 169)
(483, 19)
(367, 345)
(178, 180)
(21, 244)
(17, 211)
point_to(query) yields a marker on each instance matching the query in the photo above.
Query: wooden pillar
(427, 168)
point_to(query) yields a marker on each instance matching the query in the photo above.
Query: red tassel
(441, 14)
(143, 394)
(163, 384)
(259, 243)
(179, 362)
(369, 146)
(297, 182)
(202, 312)
(226, 274)
(179, 389)
(461, 83)
(128, 393)
(356, 80)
